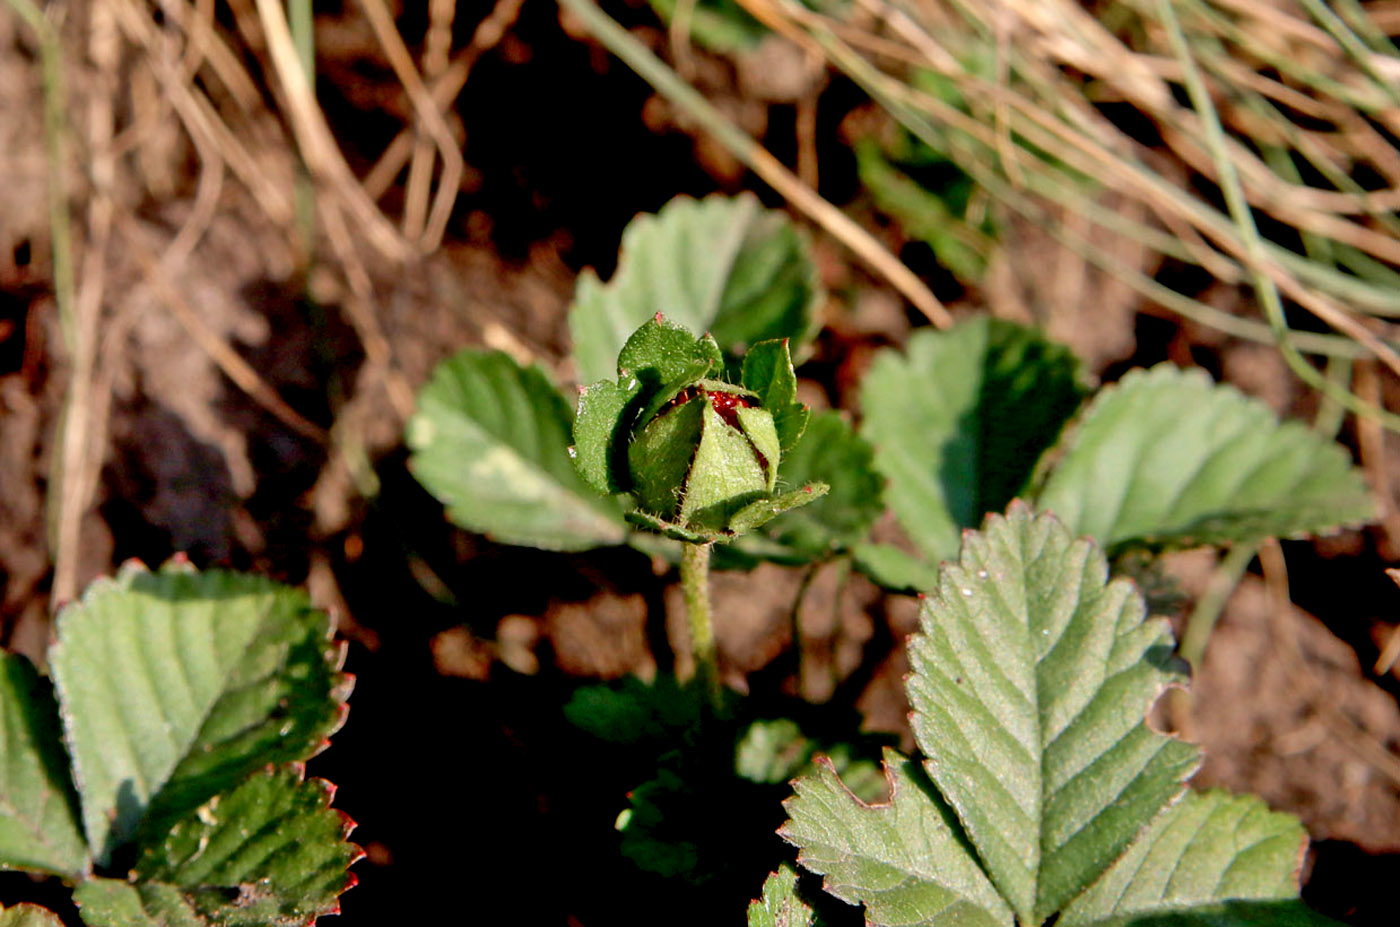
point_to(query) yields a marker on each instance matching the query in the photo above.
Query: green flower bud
(699, 456)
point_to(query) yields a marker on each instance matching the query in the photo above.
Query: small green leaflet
(29, 915)
(959, 420)
(1207, 848)
(491, 440)
(830, 453)
(780, 906)
(272, 851)
(720, 265)
(1165, 458)
(905, 860)
(39, 827)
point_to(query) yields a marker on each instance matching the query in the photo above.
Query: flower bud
(699, 456)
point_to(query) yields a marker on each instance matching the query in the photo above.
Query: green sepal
(758, 426)
(601, 430)
(725, 476)
(661, 352)
(768, 373)
(660, 458)
(672, 530)
(759, 513)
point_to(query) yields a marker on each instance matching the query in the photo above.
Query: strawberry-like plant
(699, 436)
(699, 456)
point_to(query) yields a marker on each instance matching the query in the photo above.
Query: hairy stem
(695, 585)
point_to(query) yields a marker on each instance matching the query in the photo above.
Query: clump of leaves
(158, 769)
(1042, 796)
(964, 420)
(491, 439)
(953, 425)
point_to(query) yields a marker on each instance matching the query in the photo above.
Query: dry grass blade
(443, 90)
(315, 140)
(760, 161)
(428, 114)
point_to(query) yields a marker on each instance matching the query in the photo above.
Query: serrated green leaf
(722, 265)
(905, 860)
(490, 439)
(39, 827)
(1292, 913)
(1030, 685)
(830, 453)
(29, 915)
(1167, 459)
(1208, 848)
(780, 906)
(894, 569)
(175, 685)
(959, 420)
(272, 851)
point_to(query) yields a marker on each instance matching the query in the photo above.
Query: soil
(475, 798)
